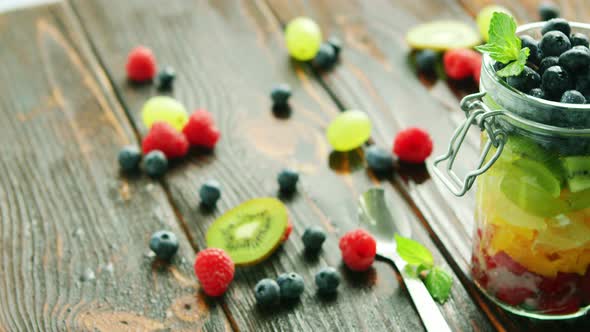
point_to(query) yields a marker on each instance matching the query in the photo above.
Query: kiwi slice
(251, 231)
(577, 169)
(523, 148)
(442, 36)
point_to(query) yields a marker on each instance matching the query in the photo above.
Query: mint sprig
(504, 45)
(421, 265)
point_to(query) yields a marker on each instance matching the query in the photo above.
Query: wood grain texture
(255, 145)
(375, 75)
(73, 231)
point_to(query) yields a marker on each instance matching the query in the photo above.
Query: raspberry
(412, 145)
(563, 283)
(141, 64)
(559, 304)
(287, 231)
(503, 260)
(200, 129)
(165, 138)
(358, 249)
(461, 63)
(514, 296)
(215, 271)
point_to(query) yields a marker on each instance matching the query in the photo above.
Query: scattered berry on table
(325, 58)
(547, 11)
(210, 192)
(155, 163)
(141, 64)
(165, 138)
(336, 44)
(575, 60)
(426, 61)
(461, 63)
(165, 78)
(358, 249)
(303, 37)
(327, 280)
(555, 81)
(164, 109)
(287, 231)
(547, 62)
(379, 159)
(200, 130)
(537, 92)
(554, 43)
(573, 97)
(215, 271)
(349, 130)
(533, 45)
(557, 24)
(525, 81)
(412, 145)
(579, 39)
(313, 238)
(129, 157)
(287, 180)
(280, 94)
(267, 292)
(291, 284)
(164, 244)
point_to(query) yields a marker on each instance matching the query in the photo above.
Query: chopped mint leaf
(515, 67)
(413, 252)
(422, 268)
(439, 283)
(410, 270)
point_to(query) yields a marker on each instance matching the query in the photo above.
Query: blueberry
(426, 61)
(313, 237)
(325, 58)
(129, 157)
(555, 82)
(572, 97)
(499, 65)
(327, 280)
(557, 24)
(164, 244)
(210, 193)
(280, 94)
(533, 45)
(554, 43)
(583, 83)
(267, 292)
(579, 39)
(578, 58)
(537, 92)
(336, 45)
(165, 78)
(548, 11)
(379, 159)
(547, 62)
(287, 179)
(525, 81)
(291, 285)
(155, 163)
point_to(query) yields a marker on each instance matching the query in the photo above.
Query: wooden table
(74, 231)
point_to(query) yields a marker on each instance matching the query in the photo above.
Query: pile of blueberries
(558, 67)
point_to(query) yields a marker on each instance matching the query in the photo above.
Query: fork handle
(428, 310)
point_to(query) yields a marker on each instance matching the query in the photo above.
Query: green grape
(303, 38)
(349, 130)
(485, 16)
(166, 109)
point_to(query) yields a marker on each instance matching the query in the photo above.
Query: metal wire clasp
(479, 114)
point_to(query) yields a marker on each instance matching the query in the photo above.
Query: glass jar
(531, 244)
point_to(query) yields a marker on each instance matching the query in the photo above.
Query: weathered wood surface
(73, 231)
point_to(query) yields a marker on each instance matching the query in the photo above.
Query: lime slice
(485, 16)
(442, 36)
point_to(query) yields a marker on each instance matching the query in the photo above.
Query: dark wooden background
(74, 231)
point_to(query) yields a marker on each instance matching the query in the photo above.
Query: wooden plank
(255, 145)
(74, 231)
(374, 75)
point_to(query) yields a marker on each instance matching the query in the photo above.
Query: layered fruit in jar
(532, 242)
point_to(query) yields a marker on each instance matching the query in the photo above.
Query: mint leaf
(439, 283)
(515, 67)
(413, 252)
(503, 44)
(411, 271)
